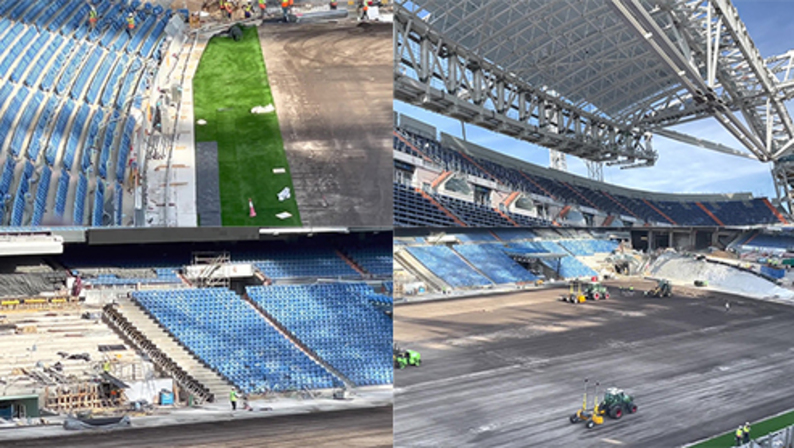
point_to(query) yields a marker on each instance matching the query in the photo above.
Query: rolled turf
(231, 79)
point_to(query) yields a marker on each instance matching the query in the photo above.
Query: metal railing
(118, 322)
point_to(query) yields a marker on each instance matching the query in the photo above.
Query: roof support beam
(433, 72)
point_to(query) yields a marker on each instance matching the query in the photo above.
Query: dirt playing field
(332, 85)
(508, 370)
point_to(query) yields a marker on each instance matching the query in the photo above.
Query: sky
(681, 168)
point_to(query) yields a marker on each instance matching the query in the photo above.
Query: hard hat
(747, 423)
(129, 15)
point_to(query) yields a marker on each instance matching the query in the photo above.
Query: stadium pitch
(508, 370)
(231, 80)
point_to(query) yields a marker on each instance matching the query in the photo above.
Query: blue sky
(681, 168)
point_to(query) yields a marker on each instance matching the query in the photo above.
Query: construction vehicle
(617, 403)
(580, 292)
(595, 291)
(592, 416)
(663, 289)
(575, 294)
(403, 358)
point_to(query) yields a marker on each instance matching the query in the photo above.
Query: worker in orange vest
(364, 10)
(229, 10)
(285, 9)
(130, 24)
(262, 7)
(92, 16)
(334, 4)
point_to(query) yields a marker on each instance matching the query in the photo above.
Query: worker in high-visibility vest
(130, 23)
(746, 433)
(93, 17)
(364, 10)
(285, 9)
(248, 10)
(334, 4)
(233, 399)
(262, 7)
(739, 435)
(229, 10)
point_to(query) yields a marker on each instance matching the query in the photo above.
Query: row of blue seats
(491, 260)
(33, 36)
(377, 261)
(337, 322)
(229, 336)
(446, 265)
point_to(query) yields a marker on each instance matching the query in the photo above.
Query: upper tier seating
(411, 209)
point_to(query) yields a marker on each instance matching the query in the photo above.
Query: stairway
(166, 343)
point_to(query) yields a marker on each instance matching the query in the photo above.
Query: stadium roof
(593, 78)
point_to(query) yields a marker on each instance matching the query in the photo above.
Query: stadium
(521, 285)
(504, 357)
(146, 332)
(142, 114)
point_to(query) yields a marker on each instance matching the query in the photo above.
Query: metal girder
(689, 139)
(438, 74)
(554, 72)
(735, 73)
(688, 73)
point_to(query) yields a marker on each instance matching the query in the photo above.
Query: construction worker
(364, 10)
(106, 366)
(229, 9)
(92, 17)
(746, 432)
(130, 23)
(248, 10)
(739, 435)
(262, 7)
(285, 9)
(233, 399)
(334, 4)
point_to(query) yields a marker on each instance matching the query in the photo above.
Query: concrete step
(175, 350)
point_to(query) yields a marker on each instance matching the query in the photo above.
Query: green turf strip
(757, 430)
(231, 80)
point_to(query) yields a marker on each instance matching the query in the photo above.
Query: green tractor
(663, 289)
(595, 291)
(403, 358)
(617, 403)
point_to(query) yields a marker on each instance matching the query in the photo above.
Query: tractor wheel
(418, 363)
(606, 296)
(589, 425)
(574, 418)
(632, 408)
(596, 296)
(616, 412)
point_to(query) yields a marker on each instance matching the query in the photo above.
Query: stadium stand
(418, 203)
(63, 89)
(231, 337)
(503, 255)
(492, 261)
(443, 262)
(337, 322)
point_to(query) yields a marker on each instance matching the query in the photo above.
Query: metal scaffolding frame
(596, 78)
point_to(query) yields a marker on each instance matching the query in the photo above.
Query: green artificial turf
(757, 429)
(231, 79)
